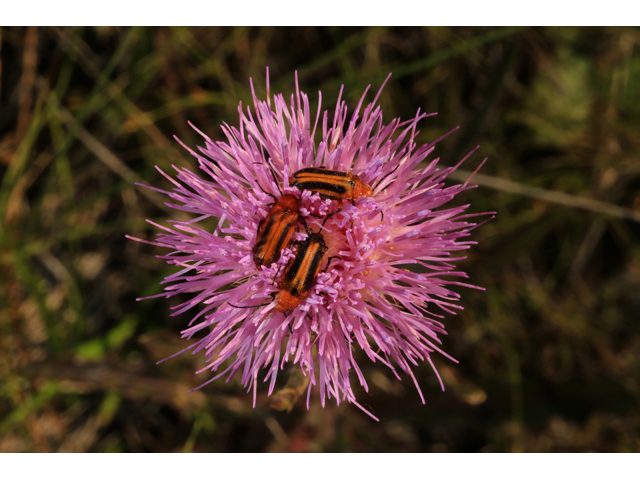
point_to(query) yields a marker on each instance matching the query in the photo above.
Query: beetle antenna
(276, 275)
(329, 216)
(274, 177)
(380, 181)
(248, 306)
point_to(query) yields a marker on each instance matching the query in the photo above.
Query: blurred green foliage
(548, 353)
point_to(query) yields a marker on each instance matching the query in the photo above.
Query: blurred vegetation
(549, 353)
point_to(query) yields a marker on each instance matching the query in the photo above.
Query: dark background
(548, 353)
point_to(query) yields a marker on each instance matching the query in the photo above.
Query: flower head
(385, 267)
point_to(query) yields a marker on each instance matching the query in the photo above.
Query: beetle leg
(305, 224)
(329, 261)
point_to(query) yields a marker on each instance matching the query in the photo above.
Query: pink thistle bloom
(366, 298)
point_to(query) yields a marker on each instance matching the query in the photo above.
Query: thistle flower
(389, 281)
